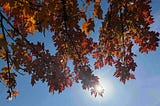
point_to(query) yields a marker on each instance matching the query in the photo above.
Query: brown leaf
(98, 12)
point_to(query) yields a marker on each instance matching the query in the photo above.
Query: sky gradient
(144, 91)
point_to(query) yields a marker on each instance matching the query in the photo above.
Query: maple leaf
(95, 54)
(2, 53)
(82, 14)
(88, 26)
(31, 25)
(132, 76)
(15, 93)
(114, 46)
(98, 10)
(1, 36)
(3, 42)
(149, 20)
(109, 60)
(98, 64)
(85, 43)
(98, 1)
(6, 7)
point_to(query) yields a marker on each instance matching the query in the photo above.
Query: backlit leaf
(1, 36)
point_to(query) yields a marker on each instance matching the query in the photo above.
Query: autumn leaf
(95, 55)
(109, 60)
(3, 42)
(132, 76)
(15, 93)
(98, 12)
(98, 1)
(149, 20)
(84, 26)
(98, 64)
(82, 14)
(6, 7)
(88, 26)
(31, 25)
(88, 2)
(5, 69)
(2, 53)
(84, 44)
(124, 25)
(1, 36)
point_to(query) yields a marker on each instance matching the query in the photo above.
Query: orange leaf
(132, 76)
(6, 7)
(95, 54)
(98, 1)
(98, 11)
(15, 93)
(84, 44)
(88, 26)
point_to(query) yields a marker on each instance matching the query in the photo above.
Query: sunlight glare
(106, 85)
(99, 88)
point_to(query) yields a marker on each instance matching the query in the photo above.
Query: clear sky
(144, 91)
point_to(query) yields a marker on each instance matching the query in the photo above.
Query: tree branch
(123, 38)
(7, 54)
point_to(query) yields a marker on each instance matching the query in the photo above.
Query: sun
(105, 86)
(99, 88)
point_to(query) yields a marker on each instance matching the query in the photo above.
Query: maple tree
(126, 23)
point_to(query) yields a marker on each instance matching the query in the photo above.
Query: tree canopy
(124, 23)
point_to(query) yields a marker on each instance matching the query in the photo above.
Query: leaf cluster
(126, 23)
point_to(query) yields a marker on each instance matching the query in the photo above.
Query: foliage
(126, 23)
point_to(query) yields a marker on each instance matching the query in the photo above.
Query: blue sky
(144, 91)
